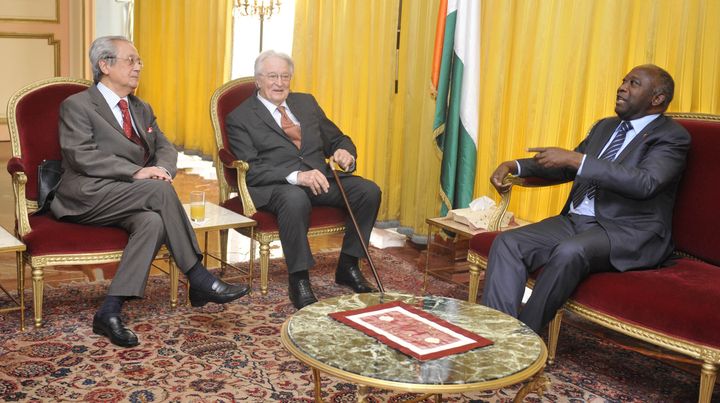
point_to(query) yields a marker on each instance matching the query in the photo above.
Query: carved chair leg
(553, 335)
(174, 276)
(264, 266)
(37, 279)
(708, 374)
(474, 283)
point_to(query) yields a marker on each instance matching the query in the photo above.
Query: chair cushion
(50, 236)
(680, 300)
(321, 216)
(480, 243)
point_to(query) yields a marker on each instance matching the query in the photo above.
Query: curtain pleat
(185, 45)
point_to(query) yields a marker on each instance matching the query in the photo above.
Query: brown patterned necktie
(291, 129)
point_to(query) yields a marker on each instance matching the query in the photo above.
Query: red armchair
(33, 123)
(673, 307)
(231, 179)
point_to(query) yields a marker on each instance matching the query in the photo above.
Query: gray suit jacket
(636, 192)
(96, 153)
(255, 137)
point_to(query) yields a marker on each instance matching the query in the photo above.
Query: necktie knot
(123, 105)
(289, 127)
(625, 127)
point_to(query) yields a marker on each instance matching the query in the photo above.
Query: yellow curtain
(344, 53)
(549, 69)
(185, 45)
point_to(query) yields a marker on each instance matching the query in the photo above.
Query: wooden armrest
(513, 180)
(241, 167)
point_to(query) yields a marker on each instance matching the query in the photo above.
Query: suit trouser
(568, 248)
(150, 211)
(292, 205)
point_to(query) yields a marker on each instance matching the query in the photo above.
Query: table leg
(537, 384)
(21, 287)
(205, 252)
(427, 258)
(318, 391)
(362, 393)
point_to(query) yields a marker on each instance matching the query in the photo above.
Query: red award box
(410, 330)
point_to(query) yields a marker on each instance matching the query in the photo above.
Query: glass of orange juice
(197, 206)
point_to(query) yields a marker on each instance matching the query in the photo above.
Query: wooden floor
(185, 181)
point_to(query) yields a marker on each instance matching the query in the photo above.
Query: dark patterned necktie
(610, 153)
(291, 129)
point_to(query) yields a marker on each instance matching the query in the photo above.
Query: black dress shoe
(113, 328)
(301, 294)
(220, 292)
(352, 277)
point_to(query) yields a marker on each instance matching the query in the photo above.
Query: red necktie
(127, 123)
(291, 129)
(128, 127)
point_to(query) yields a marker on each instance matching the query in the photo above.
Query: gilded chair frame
(24, 207)
(709, 356)
(264, 238)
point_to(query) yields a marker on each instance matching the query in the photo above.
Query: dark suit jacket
(636, 192)
(96, 153)
(255, 137)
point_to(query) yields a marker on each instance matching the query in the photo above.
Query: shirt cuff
(582, 163)
(292, 178)
(164, 169)
(518, 167)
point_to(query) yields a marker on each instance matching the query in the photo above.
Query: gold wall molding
(8, 11)
(51, 41)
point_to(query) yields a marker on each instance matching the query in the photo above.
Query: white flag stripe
(467, 48)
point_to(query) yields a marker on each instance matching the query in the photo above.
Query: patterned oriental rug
(233, 353)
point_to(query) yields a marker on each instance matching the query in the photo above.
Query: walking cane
(333, 165)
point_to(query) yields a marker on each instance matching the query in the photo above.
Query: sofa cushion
(679, 300)
(695, 217)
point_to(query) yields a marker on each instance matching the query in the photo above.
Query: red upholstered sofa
(673, 307)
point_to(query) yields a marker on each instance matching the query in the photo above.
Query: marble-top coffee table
(326, 345)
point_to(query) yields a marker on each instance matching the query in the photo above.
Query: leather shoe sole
(220, 292)
(352, 277)
(113, 328)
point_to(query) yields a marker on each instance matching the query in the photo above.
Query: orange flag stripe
(439, 40)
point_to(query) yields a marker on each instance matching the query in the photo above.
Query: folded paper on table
(411, 330)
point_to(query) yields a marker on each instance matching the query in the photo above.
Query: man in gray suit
(619, 213)
(117, 171)
(285, 137)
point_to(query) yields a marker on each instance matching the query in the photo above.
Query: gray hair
(271, 53)
(103, 48)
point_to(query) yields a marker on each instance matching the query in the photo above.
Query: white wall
(111, 18)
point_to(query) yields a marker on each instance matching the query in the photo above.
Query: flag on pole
(456, 82)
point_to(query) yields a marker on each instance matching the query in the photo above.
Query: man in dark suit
(117, 171)
(619, 213)
(285, 137)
